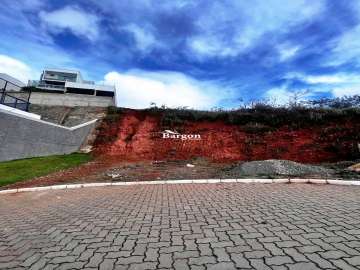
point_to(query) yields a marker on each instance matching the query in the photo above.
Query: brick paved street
(203, 226)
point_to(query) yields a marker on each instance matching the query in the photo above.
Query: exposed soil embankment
(306, 136)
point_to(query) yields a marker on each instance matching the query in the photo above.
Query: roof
(62, 70)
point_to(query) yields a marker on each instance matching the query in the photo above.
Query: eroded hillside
(303, 135)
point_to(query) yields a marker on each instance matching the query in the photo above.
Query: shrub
(258, 116)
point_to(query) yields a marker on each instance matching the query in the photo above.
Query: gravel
(274, 167)
(355, 168)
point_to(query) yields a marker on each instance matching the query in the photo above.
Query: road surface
(183, 226)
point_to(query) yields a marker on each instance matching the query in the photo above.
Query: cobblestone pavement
(203, 226)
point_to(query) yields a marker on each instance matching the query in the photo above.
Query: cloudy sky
(196, 53)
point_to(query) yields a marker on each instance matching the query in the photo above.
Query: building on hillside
(9, 83)
(69, 81)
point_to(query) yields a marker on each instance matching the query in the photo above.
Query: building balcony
(46, 86)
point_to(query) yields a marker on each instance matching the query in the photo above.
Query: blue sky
(201, 54)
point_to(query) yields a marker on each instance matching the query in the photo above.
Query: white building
(70, 81)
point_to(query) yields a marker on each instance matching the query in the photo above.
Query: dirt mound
(279, 167)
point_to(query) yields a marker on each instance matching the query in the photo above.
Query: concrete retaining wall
(22, 137)
(70, 100)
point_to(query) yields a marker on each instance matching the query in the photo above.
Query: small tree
(297, 98)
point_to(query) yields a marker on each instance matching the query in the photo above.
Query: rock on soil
(274, 167)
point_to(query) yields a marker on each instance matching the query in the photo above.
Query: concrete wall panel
(70, 100)
(24, 138)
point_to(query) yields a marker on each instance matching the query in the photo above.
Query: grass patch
(25, 169)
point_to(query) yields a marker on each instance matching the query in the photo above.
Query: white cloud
(207, 46)
(339, 78)
(318, 79)
(340, 84)
(346, 91)
(228, 29)
(324, 79)
(16, 24)
(72, 18)
(287, 52)
(347, 47)
(143, 37)
(22, 38)
(137, 89)
(15, 68)
(283, 96)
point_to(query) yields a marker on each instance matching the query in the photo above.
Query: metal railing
(15, 102)
(40, 84)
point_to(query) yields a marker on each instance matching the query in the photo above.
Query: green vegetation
(25, 169)
(113, 114)
(260, 117)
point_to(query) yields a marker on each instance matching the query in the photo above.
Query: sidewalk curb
(197, 181)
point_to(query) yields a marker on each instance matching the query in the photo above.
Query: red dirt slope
(136, 136)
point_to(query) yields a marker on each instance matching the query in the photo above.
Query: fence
(15, 102)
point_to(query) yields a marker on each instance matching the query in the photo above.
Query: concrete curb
(197, 181)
